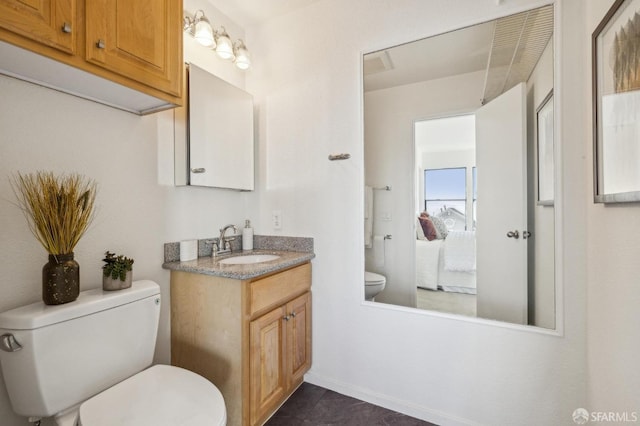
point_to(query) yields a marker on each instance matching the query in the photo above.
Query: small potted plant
(116, 272)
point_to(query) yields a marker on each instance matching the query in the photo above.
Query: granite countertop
(211, 266)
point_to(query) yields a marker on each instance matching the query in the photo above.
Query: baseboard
(408, 408)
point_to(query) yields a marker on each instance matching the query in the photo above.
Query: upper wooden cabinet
(137, 39)
(50, 22)
(134, 44)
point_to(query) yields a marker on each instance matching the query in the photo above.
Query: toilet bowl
(87, 363)
(160, 395)
(373, 284)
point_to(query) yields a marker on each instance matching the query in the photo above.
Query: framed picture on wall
(544, 130)
(616, 104)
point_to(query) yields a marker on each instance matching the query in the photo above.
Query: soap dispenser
(247, 236)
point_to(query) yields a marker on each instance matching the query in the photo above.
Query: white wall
(139, 209)
(613, 284)
(308, 86)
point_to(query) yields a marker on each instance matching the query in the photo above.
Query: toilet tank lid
(37, 315)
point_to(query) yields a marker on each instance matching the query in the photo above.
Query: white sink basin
(251, 258)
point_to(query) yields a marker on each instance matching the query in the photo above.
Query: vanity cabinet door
(280, 355)
(267, 363)
(141, 40)
(49, 22)
(298, 335)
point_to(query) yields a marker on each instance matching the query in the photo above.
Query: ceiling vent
(518, 43)
(377, 62)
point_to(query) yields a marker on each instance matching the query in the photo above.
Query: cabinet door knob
(100, 44)
(293, 314)
(286, 317)
(198, 170)
(66, 28)
(513, 234)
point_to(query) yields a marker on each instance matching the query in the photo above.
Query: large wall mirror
(459, 171)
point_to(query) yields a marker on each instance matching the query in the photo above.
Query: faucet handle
(214, 246)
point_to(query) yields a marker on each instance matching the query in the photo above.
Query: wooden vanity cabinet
(137, 44)
(251, 338)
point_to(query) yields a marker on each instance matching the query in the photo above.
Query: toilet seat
(371, 278)
(160, 395)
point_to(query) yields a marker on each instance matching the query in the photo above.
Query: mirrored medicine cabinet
(214, 142)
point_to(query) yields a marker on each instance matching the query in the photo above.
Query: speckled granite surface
(292, 251)
(210, 266)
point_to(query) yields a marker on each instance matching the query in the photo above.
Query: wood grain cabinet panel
(280, 355)
(267, 340)
(298, 339)
(50, 22)
(141, 40)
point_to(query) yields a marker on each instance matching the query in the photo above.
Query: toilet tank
(73, 351)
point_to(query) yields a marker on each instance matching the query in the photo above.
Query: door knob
(526, 234)
(513, 234)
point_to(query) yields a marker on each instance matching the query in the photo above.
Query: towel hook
(334, 157)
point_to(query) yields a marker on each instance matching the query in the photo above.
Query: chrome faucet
(224, 243)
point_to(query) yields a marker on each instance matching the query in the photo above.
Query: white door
(502, 208)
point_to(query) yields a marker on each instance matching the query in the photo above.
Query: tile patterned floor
(312, 405)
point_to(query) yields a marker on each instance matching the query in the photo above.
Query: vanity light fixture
(199, 27)
(243, 59)
(224, 47)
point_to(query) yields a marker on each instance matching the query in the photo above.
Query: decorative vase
(60, 279)
(110, 284)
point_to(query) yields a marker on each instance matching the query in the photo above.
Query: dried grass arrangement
(59, 209)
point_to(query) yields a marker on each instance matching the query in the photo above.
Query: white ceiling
(506, 50)
(456, 52)
(251, 12)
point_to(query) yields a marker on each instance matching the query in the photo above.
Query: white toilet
(87, 363)
(373, 284)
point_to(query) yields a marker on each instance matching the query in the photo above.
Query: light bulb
(243, 59)
(204, 33)
(225, 47)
